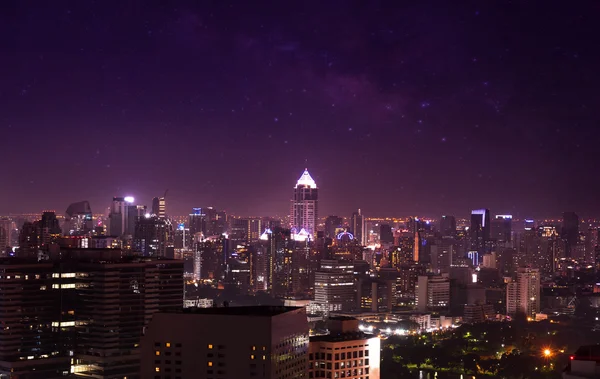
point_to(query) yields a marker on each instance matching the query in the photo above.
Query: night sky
(396, 107)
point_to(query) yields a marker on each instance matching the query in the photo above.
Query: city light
(547, 353)
(129, 199)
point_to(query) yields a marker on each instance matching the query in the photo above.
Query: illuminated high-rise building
(523, 295)
(78, 219)
(123, 215)
(153, 237)
(159, 207)
(197, 221)
(357, 226)
(304, 210)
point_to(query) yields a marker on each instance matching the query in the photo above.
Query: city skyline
(428, 108)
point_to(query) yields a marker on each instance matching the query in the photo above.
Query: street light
(547, 353)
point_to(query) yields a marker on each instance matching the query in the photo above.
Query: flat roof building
(227, 343)
(344, 353)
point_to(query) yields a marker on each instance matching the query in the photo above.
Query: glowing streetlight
(547, 353)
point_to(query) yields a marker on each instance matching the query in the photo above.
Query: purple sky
(397, 107)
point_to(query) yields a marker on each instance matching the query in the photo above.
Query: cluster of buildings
(106, 296)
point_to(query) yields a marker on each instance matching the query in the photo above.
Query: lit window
(157, 352)
(157, 369)
(210, 346)
(209, 364)
(168, 344)
(253, 348)
(264, 357)
(252, 356)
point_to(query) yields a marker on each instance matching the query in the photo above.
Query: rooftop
(306, 180)
(589, 352)
(341, 337)
(255, 310)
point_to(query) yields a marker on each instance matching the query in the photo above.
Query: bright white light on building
(129, 199)
(148, 215)
(474, 278)
(306, 180)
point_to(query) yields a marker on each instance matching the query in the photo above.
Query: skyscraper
(480, 229)
(159, 207)
(78, 219)
(304, 212)
(448, 225)
(357, 226)
(570, 231)
(153, 236)
(334, 285)
(123, 215)
(524, 294)
(501, 228)
(197, 221)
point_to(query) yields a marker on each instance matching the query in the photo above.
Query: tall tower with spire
(304, 209)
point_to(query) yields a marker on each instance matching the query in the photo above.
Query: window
(210, 346)
(157, 369)
(168, 344)
(209, 364)
(157, 353)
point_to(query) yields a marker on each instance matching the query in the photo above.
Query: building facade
(304, 210)
(227, 343)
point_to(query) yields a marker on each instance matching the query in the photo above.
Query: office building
(48, 228)
(523, 295)
(480, 231)
(227, 343)
(153, 237)
(123, 216)
(501, 228)
(448, 225)
(476, 313)
(357, 226)
(78, 219)
(375, 294)
(159, 207)
(432, 292)
(29, 347)
(197, 221)
(81, 312)
(346, 352)
(304, 209)
(116, 300)
(334, 285)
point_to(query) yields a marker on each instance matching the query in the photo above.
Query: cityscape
(135, 292)
(298, 190)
